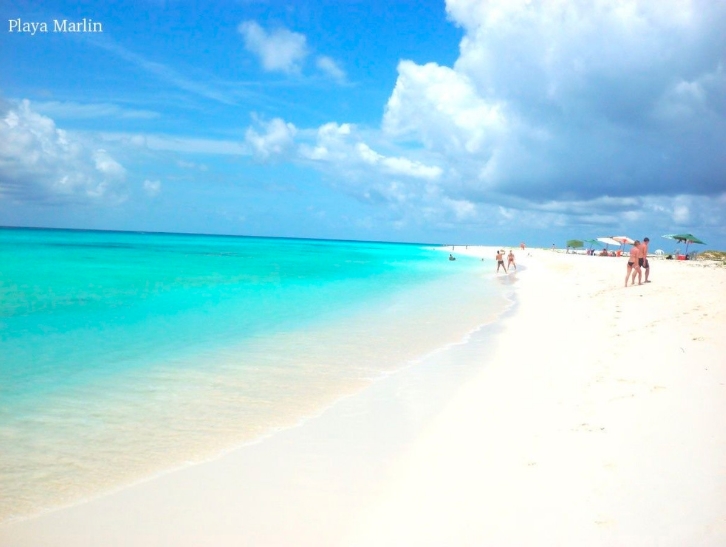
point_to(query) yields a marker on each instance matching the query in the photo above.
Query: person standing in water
(500, 261)
(510, 260)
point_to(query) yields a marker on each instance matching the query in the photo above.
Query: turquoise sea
(123, 355)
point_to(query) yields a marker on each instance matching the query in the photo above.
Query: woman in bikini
(633, 265)
(510, 260)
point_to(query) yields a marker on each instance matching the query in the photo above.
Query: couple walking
(638, 259)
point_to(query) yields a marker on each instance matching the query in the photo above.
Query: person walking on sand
(643, 260)
(510, 260)
(500, 261)
(633, 265)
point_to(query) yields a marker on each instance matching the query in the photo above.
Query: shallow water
(124, 354)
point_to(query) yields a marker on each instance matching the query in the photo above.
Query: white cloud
(152, 187)
(276, 139)
(192, 165)
(331, 143)
(397, 165)
(681, 214)
(167, 74)
(330, 67)
(343, 147)
(462, 209)
(69, 109)
(560, 113)
(442, 108)
(40, 162)
(173, 143)
(686, 100)
(567, 101)
(279, 51)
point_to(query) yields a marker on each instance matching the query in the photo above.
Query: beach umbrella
(575, 243)
(592, 242)
(688, 238)
(623, 240)
(608, 241)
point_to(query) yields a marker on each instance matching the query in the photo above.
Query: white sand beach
(598, 422)
(595, 418)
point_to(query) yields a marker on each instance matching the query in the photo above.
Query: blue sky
(464, 121)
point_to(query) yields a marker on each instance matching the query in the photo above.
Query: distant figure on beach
(633, 264)
(553, 246)
(510, 260)
(604, 253)
(451, 257)
(521, 245)
(500, 261)
(643, 260)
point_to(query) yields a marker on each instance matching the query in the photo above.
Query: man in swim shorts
(633, 265)
(500, 261)
(643, 260)
(510, 260)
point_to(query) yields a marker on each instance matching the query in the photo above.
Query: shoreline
(327, 467)
(589, 416)
(161, 421)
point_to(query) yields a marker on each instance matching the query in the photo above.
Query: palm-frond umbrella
(688, 238)
(575, 243)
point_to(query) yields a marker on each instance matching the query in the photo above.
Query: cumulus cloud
(331, 144)
(274, 139)
(396, 165)
(443, 109)
(343, 147)
(40, 162)
(462, 209)
(572, 101)
(280, 50)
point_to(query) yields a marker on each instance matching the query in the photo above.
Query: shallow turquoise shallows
(122, 354)
(74, 305)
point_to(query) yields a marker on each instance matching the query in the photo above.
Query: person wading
(500, 261)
